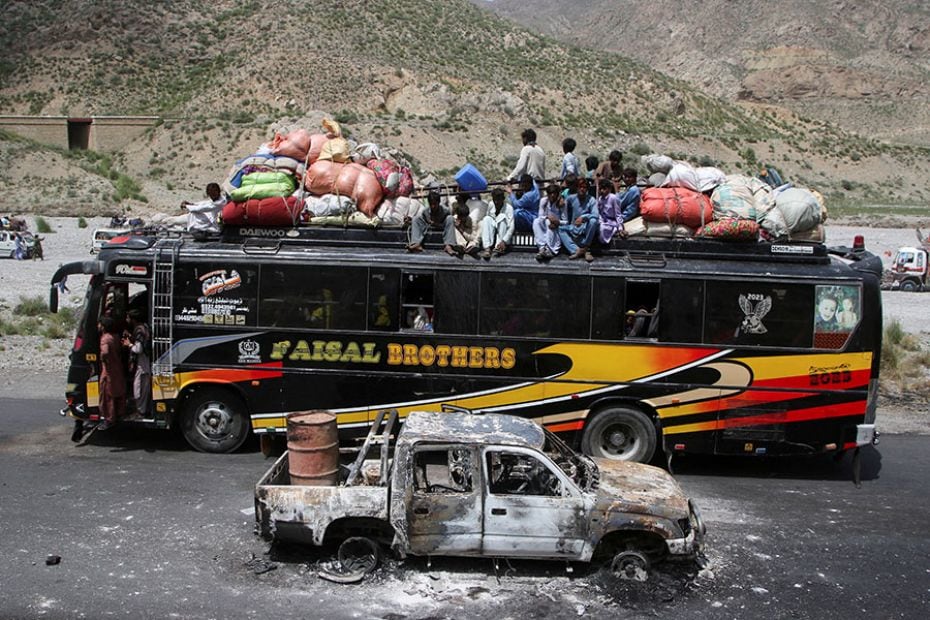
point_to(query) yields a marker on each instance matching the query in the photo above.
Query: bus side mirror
(53, 299)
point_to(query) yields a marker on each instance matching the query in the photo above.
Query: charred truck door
(531, 509)
(444, 512)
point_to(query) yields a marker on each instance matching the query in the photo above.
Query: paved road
(149, 529)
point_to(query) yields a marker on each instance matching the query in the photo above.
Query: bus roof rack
(643, 248)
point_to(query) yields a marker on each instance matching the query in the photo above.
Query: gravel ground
(36, 366)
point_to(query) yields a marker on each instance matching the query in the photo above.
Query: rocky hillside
(862, 65)
(441, 81)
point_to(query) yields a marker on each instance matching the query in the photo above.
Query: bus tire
(620, 434)
(215, 420)
(909, 286)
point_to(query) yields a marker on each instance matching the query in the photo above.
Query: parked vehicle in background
(484, 485)
(909, 269)
(103, 235)
(8, 245)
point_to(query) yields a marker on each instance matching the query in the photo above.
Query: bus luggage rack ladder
(163, 312)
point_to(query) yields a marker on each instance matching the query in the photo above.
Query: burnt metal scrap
(482, 486)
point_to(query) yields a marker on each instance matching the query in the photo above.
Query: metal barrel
(313, 448)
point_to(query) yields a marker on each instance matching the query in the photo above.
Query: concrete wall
(112, 133)
(107, 133)
(51, 130)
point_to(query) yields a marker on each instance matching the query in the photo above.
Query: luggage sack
(275, 211)
(675, 205)
(355, 180)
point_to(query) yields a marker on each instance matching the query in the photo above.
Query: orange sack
(354, 180)
(676, 205)
(317, 141)
(299, 144)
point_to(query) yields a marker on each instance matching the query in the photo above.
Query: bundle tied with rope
(676, 206)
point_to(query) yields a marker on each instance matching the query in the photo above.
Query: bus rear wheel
(214, 420)
(621, 434)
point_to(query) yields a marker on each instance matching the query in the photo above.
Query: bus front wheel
(620, 433)
(215, 420)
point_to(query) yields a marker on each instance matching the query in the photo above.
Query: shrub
(30, 306)
(82, 223)
(42, 226)
(903, 359)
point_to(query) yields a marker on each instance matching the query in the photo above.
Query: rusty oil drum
(313, 448)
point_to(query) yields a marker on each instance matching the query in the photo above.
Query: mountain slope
(864, 65)
(441, 81)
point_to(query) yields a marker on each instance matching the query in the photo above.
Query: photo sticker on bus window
(836, 314)
(837, 309)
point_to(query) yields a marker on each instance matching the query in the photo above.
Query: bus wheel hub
(213, 419)
(617, 439)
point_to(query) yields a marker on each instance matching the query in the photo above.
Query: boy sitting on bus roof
(436, 217)
(578, 234)
(525, 203)
(497, 226)
(629, 199)
(466, 230)
(552, 214)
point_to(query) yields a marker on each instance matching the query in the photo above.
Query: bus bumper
(866, 435)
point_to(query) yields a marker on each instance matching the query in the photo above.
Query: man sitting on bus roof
(203, 216)
(525, 204)
(436, 217)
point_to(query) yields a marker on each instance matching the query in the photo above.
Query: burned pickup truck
(484, 485)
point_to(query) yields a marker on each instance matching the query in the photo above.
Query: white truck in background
(909, 267)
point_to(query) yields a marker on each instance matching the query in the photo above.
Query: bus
(678, 346)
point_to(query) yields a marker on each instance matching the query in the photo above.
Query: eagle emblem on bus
(754, 313)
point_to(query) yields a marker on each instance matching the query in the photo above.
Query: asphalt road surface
(146, 528)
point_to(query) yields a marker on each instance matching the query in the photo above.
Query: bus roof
(648, 258)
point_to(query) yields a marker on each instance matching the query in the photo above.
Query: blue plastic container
(470, 180)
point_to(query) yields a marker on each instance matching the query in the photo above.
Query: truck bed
(303, 513)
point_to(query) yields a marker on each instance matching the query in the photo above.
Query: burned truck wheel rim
(630, 565)
(358, 555)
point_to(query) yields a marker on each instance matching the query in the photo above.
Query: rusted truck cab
(496, 486)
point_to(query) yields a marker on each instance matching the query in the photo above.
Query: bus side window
(607, 313)
(383, 292)
(416, 301)
(642, 309)
(456, 297)
(682, 310)
(535, 305)
(326, 298)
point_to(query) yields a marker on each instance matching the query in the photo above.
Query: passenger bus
(683, 346)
